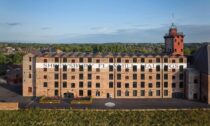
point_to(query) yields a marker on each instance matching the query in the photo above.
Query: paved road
(13, 93)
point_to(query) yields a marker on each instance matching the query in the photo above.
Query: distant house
(14, 75)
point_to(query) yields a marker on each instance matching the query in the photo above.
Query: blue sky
(84, 21)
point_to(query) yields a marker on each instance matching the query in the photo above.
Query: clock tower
(174, 41)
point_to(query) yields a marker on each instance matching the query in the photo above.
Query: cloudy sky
(99, 21)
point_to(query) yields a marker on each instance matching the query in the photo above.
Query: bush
(49, 100)
(82, 100)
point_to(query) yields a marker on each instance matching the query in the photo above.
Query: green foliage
(70, 117)
(11, 58)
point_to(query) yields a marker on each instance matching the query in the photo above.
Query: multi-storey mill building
(121, 75)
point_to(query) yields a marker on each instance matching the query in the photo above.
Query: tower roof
(173, 26)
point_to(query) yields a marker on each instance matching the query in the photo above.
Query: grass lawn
(102, 118)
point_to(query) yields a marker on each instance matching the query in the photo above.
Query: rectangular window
(142, 60)
(64, 84)
(118, 60)
(181, 85)
(89, 84)
(157, 84)
(29, 67)
(97, 69)
(73, 61)
(29, 76)
(45, 84)
(150, 93)
(98, 61)
(81, 76)
(89, 68)
(73, 70)
(150, 85)
(126, 85)
(56, 77)
(45, 76)
(45, 60)
(142, 84)
(134, 60)
(157, 92)
(157, 76)
(56, 67)
(173, 85)
(97, 93)
(165, 84)
(126, 69)
(72, 85)
(158, 68)
(142, 68)
(64, 60)
(64, 76)
(166, 76)
(81, 60)
(80, 67)
(89, 60)
(29, 59)
(111, 68)
(118, 76)
(165, 60)
(29, 89)
(181, 60)
(158, 60)
(111, 85)
(80, 92)
(134, 84)
(111, 77)
(64, 67)
(56, 59)
(134, 92)
(165, 68)
(89, 76)
(97, 85)
(45, 69)
(181, 68)
(142, 93)
(165, 92)
(118, 85)
(111, 60)
(142, 76)
(56, 92)
(181, 77)
(56, 84)
(80, 84)
(135, 68)
(126, 93)
(118, 92)
(118, 68)
(89, 93)
(134, 76)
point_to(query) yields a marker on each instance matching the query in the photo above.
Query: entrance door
(108, 95)
(56, 92)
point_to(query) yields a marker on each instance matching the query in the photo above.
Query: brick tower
(174, 41)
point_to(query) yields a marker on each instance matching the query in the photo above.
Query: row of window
(119, 85)
(142, 93)
(118, 60)
(119, 77)
(127, 93)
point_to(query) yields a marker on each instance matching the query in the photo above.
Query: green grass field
(104, 118)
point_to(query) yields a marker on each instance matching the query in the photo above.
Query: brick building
(120, 75)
